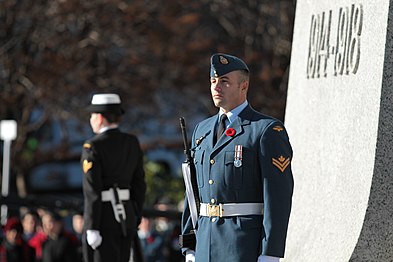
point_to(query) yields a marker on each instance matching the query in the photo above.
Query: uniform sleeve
(138, 183)
(186, 223)
(186, 218)
(92, 185)
(275, 162)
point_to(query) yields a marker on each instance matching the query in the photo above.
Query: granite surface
(339, 119)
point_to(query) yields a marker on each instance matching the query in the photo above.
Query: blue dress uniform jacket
(110, 158)
(265, 176)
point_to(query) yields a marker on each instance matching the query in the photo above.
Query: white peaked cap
(105, 99)
(106, 103)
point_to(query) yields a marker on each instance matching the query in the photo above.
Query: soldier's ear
(244, 85)
(101, 118)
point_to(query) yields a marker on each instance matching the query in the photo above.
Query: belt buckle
(215, 210)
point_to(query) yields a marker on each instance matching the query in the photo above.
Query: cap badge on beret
(223, 60)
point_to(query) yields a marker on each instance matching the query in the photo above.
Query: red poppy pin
(230, 132)
(150, 240)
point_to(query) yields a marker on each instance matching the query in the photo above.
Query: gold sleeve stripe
(281, 163)
(86, 145)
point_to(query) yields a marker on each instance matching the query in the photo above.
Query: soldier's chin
(217, 102)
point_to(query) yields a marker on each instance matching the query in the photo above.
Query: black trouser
(114, 248)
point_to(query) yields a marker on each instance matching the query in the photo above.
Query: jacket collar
(237, 125)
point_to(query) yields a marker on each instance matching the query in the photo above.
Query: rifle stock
(188, 240)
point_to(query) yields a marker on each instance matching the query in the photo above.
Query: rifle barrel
(185, 142)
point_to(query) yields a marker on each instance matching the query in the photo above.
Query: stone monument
(339, 117)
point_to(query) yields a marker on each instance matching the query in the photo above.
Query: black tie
(221, 126)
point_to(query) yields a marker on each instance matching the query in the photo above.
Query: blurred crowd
(45, 236)
(41, 236)
(159, 240)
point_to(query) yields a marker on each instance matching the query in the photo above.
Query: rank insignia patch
(86, 145)
(278, 128)
(87, 165)
(281, 163)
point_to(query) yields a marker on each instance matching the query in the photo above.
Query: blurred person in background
(13, 247)
(77, 226)
(30, 222)
(172, 248)
(36, 243)
(169, 230)
(113, 184)
(60, 245)
(39, 238)
(152, 241)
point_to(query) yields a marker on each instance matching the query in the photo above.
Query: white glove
(190, 255)
(94, 238)
(263, 258)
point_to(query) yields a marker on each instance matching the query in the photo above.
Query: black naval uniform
(112, 158)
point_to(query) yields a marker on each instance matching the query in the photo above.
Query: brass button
(211, 182)
(212, 161)
(214, 219)
(212, 201)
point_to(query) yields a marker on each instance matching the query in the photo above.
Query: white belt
(231, 209)
(124, 195)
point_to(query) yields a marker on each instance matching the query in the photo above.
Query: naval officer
(113, 184)
(243, 168)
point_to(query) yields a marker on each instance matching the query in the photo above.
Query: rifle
(189, 175)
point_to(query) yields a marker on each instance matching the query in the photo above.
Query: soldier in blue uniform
(113, 184)
(244, 175)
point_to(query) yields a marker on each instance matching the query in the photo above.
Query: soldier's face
(95, 122)
(228, 91)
